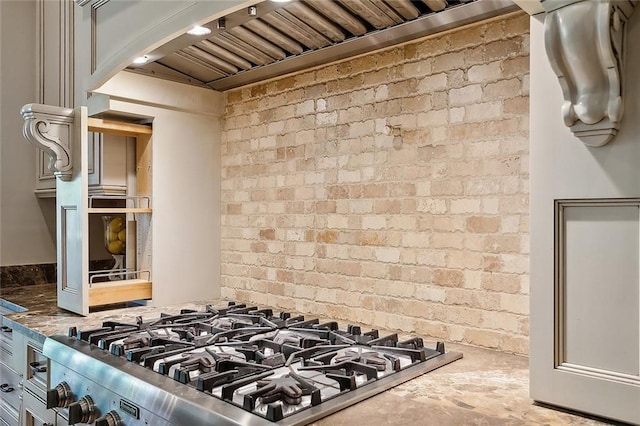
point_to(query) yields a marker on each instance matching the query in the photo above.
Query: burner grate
(277, 366)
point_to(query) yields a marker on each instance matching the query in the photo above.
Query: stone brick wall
(389, 189)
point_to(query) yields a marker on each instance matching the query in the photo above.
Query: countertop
(484, 388)
(44, 318)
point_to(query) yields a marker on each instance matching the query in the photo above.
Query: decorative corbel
(585, 42)
(50, 128)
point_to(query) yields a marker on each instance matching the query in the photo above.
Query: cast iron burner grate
(288, 389)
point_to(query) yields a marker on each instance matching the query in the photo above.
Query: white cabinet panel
(10, 396)
(599, 287)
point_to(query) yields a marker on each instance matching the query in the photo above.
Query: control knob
(83, 411)
(60, 396)
(112, 418)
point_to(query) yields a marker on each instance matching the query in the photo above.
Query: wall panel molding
(597, 302)
(55, 52)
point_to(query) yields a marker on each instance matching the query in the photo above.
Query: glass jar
(115, 234)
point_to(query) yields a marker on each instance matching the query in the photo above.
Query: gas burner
(375, 359)
(284, 388)
(274, 392)
(228, 323)
(300, 338)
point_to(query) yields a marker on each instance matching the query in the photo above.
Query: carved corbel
(585, 43)
(50, 128)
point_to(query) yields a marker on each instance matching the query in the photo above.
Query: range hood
(274, 38)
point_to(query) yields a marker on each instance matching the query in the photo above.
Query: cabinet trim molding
(49, 128)
(585, 42)
(591, 214)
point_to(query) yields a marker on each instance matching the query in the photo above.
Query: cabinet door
(72, 224)
(9, 395)
(585, 253)
(35, 411)
(6, 345)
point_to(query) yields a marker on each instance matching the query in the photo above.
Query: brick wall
(389, 189)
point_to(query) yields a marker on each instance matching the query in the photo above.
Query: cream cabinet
(64, 134)
(24, 378)
(80, 288)
(109, 166)
(10, 388)
(585, 249)
(35, 384)
(177, 247)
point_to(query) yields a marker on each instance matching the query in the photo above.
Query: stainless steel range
(231, 365)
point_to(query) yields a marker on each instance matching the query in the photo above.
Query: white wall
(27, 224)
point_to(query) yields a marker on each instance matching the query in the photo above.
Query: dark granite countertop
(43, 317)
(37, 298)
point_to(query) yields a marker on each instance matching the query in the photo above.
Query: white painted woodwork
(185, 241)
(63, 133)
(49, 128)
(183, 236)
(585, 230)
(141, 89)
(55, 52)
(108, 168)
(73, 224)
(112, 33)
(54, 72)
(592, 84)
(585, 237)
(45, 180)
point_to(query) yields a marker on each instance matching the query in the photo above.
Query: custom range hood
(274, 38)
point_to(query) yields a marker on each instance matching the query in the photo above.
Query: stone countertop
(43, 317)
(483, 388)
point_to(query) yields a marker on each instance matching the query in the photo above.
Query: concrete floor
(483, 388)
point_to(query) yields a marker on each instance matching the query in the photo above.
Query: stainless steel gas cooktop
(236, 365)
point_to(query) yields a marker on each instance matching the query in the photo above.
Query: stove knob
(83, 411)
(60, 396)
(112, 418)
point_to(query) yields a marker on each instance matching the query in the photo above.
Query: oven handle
(6, 387)
(38, 366)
